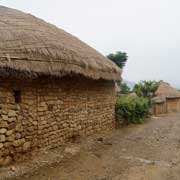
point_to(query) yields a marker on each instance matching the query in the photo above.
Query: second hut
(167, 99)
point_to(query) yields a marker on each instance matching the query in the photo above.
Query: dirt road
(140, 152)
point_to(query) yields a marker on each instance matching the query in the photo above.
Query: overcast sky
(148, 30)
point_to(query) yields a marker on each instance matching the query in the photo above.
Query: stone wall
(173, 105)
(50, 112)
(160, 108)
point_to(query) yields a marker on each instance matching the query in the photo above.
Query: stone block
(26, 146)
(1, 145)
(12, 113)
(3, 130)
(2, 138)
(9, 132)
(18, 142)
(4, 117)
(3, 124)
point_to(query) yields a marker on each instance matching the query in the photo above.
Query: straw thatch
(31, 46)
(133, 94)
(158, 99)
(165, 90)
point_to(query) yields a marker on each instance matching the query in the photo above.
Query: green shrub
(130, 109)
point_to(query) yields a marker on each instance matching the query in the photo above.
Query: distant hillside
(178, 87)
(129, 83)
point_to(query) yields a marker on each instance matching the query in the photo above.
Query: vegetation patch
(131, 109)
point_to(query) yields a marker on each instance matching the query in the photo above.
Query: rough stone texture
(173, 105)
(160, 108)
(51, 111)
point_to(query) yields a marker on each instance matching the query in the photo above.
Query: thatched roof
(158, 99)
(165, 90)
(32, 46)
(133, 94)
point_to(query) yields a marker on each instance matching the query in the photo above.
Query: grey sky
(148, 30)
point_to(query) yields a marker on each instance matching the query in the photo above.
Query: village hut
(53, 87)
(159, 105)
(167, 99)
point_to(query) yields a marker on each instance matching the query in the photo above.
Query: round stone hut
(167, 99)
(159, 105)
(53, 87)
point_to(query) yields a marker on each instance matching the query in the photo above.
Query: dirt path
(143, 152)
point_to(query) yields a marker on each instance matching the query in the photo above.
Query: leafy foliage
(146, 88)
(131, 110)
(119, 58)
(124, 87)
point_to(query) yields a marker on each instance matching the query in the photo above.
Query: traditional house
(159, 105)
(53, 86)
(167, 99)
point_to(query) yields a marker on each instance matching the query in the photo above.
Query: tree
(124, 87)
(119, 58)
(146, 88)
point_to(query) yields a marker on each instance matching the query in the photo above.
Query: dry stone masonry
(51, 111)
(39, 106)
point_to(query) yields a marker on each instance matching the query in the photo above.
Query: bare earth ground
(140, 152)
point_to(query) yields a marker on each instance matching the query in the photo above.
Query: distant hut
(133, 94)
(53, 86)
(159, 105)
(167, 99)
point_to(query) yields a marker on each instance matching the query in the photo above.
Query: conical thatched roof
(32, 46)
(165, 90)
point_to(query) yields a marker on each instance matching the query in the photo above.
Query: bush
(131, 110)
